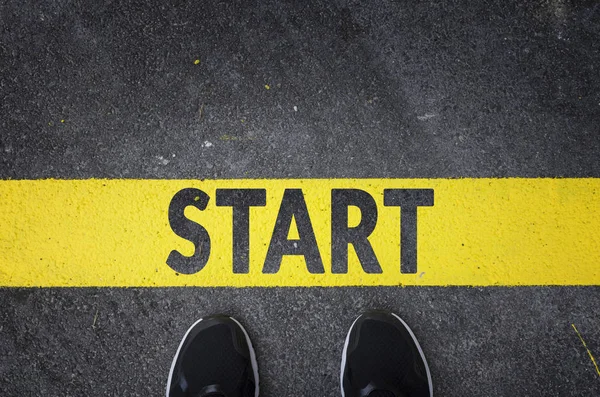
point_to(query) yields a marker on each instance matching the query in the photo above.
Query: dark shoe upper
(383, 359)
(215, 358)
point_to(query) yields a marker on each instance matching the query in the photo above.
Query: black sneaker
(382, 358)
(215, 358)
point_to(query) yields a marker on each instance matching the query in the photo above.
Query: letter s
(189, 230)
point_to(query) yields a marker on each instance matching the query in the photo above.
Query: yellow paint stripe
(586, 348)
(479, 232)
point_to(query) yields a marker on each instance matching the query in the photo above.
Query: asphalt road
(208, 89)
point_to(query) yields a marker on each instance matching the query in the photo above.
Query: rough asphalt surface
(356, 89)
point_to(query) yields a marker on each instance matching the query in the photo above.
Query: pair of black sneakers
(381, 358)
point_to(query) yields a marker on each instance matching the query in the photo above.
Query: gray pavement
(356, 89)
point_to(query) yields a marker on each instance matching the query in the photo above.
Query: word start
(293, 208)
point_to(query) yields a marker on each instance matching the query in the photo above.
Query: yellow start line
(300, 232)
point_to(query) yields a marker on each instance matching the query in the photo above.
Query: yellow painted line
(479, 232)
(587, 349)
